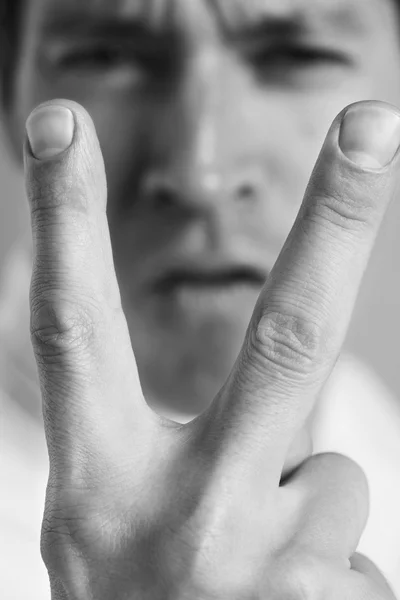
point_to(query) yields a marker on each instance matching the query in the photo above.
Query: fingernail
(370, 135)
(50, 130)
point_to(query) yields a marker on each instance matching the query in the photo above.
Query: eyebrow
(71, 24)
(65, 22)
(240, 19)
(268, 27)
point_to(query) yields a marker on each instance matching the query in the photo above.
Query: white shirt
(357, 415)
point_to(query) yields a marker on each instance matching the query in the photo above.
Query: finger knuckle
(53, 540)
(59, 224)
(60, 327)
(50, 195)
(73, 517)
(60, 524)
(341, 210)
(61, 547)
(290, 343)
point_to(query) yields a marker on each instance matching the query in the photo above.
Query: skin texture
(209, 140)
(209, 160)
(140, 507)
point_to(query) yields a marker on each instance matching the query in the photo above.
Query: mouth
(211, 293)
(211, 281)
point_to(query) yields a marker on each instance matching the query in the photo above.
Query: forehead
(229, 13)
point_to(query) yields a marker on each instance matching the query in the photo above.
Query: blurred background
(374, 331)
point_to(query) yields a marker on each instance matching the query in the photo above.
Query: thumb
(362, 564)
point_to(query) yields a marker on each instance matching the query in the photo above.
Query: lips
(200, 278)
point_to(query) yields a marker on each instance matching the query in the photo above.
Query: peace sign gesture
(141, 507)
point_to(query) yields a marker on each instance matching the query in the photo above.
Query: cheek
(298, 128)
(119, 118)
(122, 131)
(288, 142)
(292, 142)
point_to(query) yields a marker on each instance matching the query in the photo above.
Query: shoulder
(23, 480)
(359, 416)
(357, 406)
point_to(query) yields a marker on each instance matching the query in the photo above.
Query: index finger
(301, 317)
(89, 381)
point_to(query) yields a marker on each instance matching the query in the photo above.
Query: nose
(196, 160)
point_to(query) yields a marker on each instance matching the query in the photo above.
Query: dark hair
(10, 32)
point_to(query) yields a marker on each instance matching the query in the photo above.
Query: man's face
(210, 115)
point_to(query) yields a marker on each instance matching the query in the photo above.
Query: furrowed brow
(244, 18)
(73, 25)
(146, 16)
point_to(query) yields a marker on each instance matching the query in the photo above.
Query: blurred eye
(296, 58)
(99, 56)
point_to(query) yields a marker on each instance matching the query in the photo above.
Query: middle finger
(301, 317)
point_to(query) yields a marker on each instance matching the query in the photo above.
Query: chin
(185, 372)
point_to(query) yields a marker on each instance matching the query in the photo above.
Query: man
(210, 116)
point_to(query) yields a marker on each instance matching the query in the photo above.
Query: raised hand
(140, 507)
